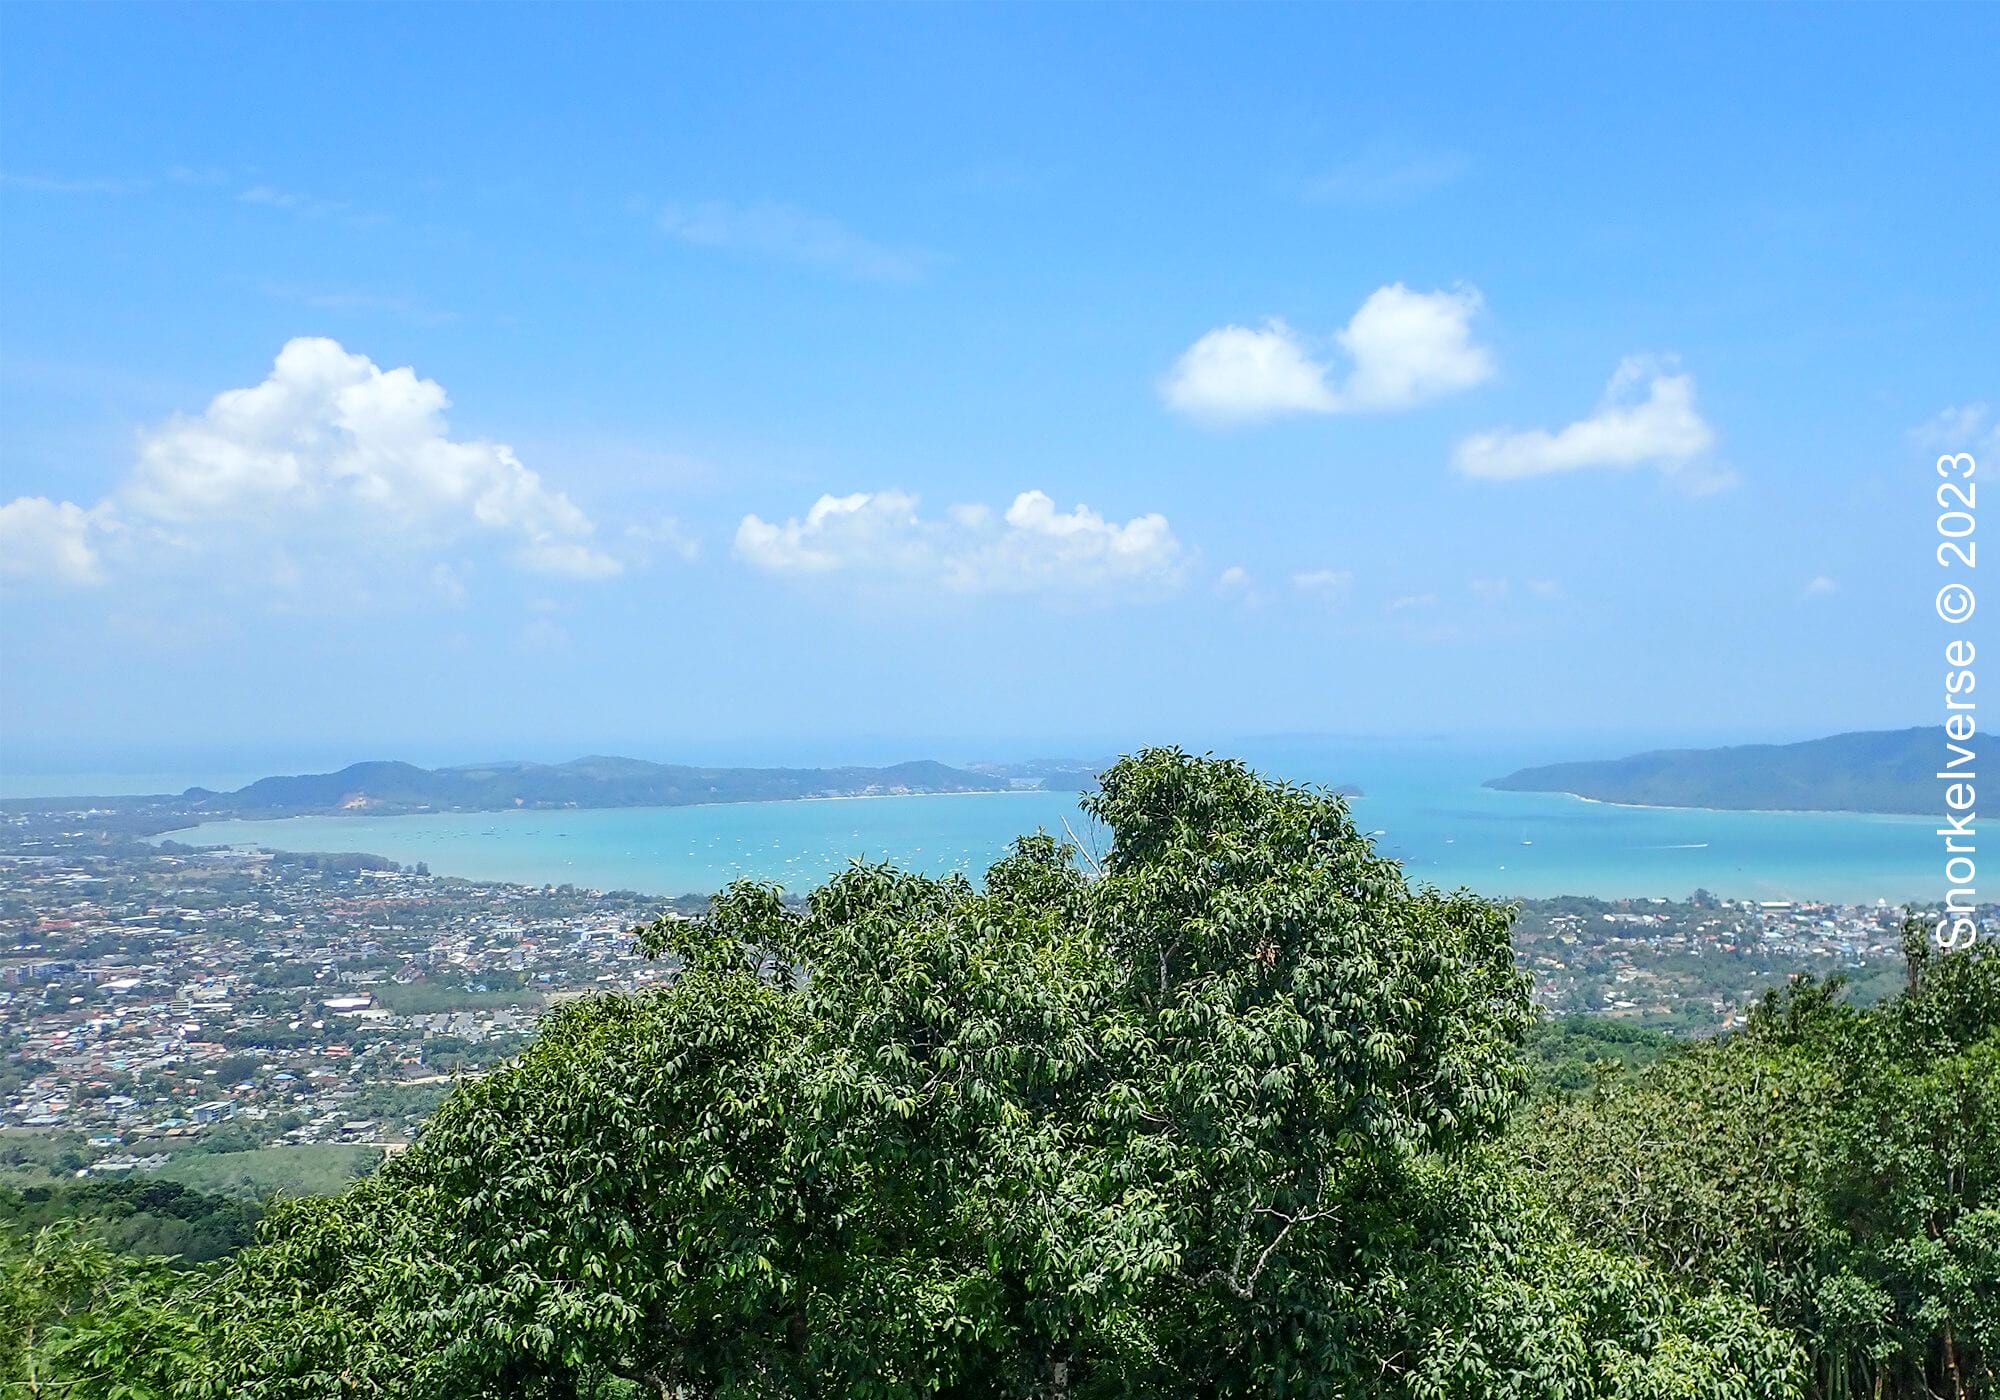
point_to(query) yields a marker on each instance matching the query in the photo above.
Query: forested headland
(1890, 770)
(1235, 1110)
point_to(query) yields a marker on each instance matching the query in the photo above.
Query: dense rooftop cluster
(150, 996)
(1696, 965)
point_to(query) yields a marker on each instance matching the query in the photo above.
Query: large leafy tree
(1212, 1116)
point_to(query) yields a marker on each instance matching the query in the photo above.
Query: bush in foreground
(1841, 1167)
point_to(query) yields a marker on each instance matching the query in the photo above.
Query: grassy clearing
(424, 998)
(313, 1169)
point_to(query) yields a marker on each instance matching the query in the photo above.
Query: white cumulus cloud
(328, 446)
(1401, 348)
(55, 541)
(883, 537)
(1647, 417)
(1240, 374)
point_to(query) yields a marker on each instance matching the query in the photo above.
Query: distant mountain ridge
(595, 781)
(1888, 770)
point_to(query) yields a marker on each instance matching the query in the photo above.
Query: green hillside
(1891, 770)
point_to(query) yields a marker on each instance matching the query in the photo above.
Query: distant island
(1889, 770)
(391, 788)
(596, 781)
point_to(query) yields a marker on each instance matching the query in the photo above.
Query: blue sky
(1170, 373)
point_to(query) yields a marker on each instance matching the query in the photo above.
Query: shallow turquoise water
(1427, 807)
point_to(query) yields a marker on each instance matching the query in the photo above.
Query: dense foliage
(1839, 1166)
(1226, 1114)
(147, 1216)
(1569, 1053)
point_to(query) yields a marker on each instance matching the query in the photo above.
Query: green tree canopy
(1839, 1166)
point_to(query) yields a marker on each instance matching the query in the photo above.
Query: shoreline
(1720, 811)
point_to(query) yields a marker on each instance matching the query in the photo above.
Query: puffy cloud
(881, 536)
(1819, 587)
(330, 445)
(1401, 349)
(1236, 374)
(1409, 347)
(879, 528)
(51, 541)
(790, 234)
(1647, 417)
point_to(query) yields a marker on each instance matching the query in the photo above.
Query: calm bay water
(1427, 807)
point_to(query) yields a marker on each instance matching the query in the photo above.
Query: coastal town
(155, 1002)
(1695, 966)
(158, 1001)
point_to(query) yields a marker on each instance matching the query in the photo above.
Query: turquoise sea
(1426, 807)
